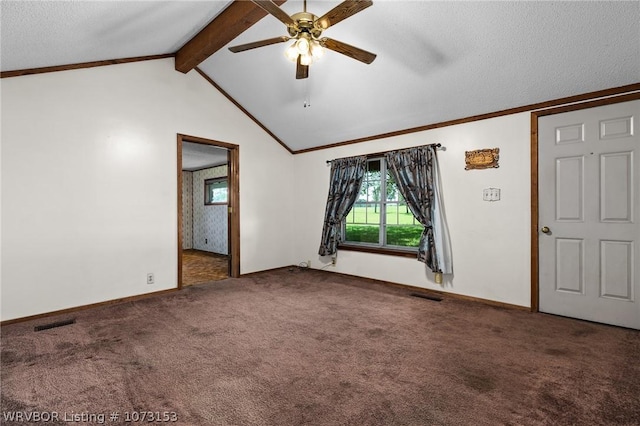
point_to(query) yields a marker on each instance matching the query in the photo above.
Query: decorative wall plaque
(482, 159)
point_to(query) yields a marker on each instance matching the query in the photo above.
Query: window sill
(380, 250)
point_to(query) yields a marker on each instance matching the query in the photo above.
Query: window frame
(209, 181)
(381, 247)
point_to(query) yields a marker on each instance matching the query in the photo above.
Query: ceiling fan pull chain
(307, 95)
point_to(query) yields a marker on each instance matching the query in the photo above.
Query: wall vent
(54, 324)
(427, 296)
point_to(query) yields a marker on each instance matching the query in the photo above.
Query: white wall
(89, 183)
(68, 241)
(491, 241)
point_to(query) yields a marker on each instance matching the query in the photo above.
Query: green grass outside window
(363, 226)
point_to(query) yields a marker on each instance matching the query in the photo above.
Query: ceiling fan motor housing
(305, 22)
(306, 28)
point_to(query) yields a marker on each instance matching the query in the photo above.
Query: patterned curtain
(346, 178)
(415, 171)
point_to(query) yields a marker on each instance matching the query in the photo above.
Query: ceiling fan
(306, 29)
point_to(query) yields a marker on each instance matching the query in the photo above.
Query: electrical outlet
(206, 241)
(150, 279)
(333, 260)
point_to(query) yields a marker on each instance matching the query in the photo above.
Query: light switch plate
(491, 194)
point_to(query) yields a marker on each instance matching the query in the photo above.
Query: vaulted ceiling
(437, 61)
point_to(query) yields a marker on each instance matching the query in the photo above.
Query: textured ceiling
(49, 33)
(197, 156)
(437, 61)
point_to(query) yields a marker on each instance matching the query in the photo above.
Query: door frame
(535, 235)
(233, 157)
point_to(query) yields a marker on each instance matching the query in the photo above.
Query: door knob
(545, 230)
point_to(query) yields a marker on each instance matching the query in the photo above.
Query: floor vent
(427, 296)
(54, 324)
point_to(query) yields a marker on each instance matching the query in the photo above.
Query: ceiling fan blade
(267, 42)
(302, 71)
(275, 10)
(341, 12)
(348, 50)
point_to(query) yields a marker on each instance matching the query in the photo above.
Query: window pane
(363, 222)
(218, 195)
(404, 235)
(379, 193)
(392, 214)
(216, 190)
(351, 216)
(405, 217)
(372, 214)
(392, 189)
(373, 166)
(363, 233)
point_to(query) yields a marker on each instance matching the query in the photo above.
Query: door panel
(570, 189)
(616, 266)
(589, 201)
(570, 270)
(616, 187)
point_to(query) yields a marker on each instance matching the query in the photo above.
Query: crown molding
(41, 70)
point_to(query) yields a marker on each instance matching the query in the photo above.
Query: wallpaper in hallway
(210, 227)
(187, 210)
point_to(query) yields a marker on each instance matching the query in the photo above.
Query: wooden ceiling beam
(229, 24)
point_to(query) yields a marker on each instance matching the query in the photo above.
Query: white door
(588, 214)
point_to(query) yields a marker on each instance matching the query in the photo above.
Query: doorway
(586, 232)
(208, 227)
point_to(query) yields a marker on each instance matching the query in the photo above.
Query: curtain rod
(378, 154)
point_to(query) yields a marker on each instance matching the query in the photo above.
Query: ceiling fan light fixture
(303, 45)
(316, 50)
(292, 52)
(307, 48)
(306, 30)
(306, 59)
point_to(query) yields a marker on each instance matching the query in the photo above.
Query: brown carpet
(200, 267)
(296, 347)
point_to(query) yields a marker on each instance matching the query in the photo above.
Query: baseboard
(266, 270)
(90, 306)
(438, 293)
(111, 302)
(442, 294)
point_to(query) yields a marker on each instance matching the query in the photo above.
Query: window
(216, 191)
(380, 217)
